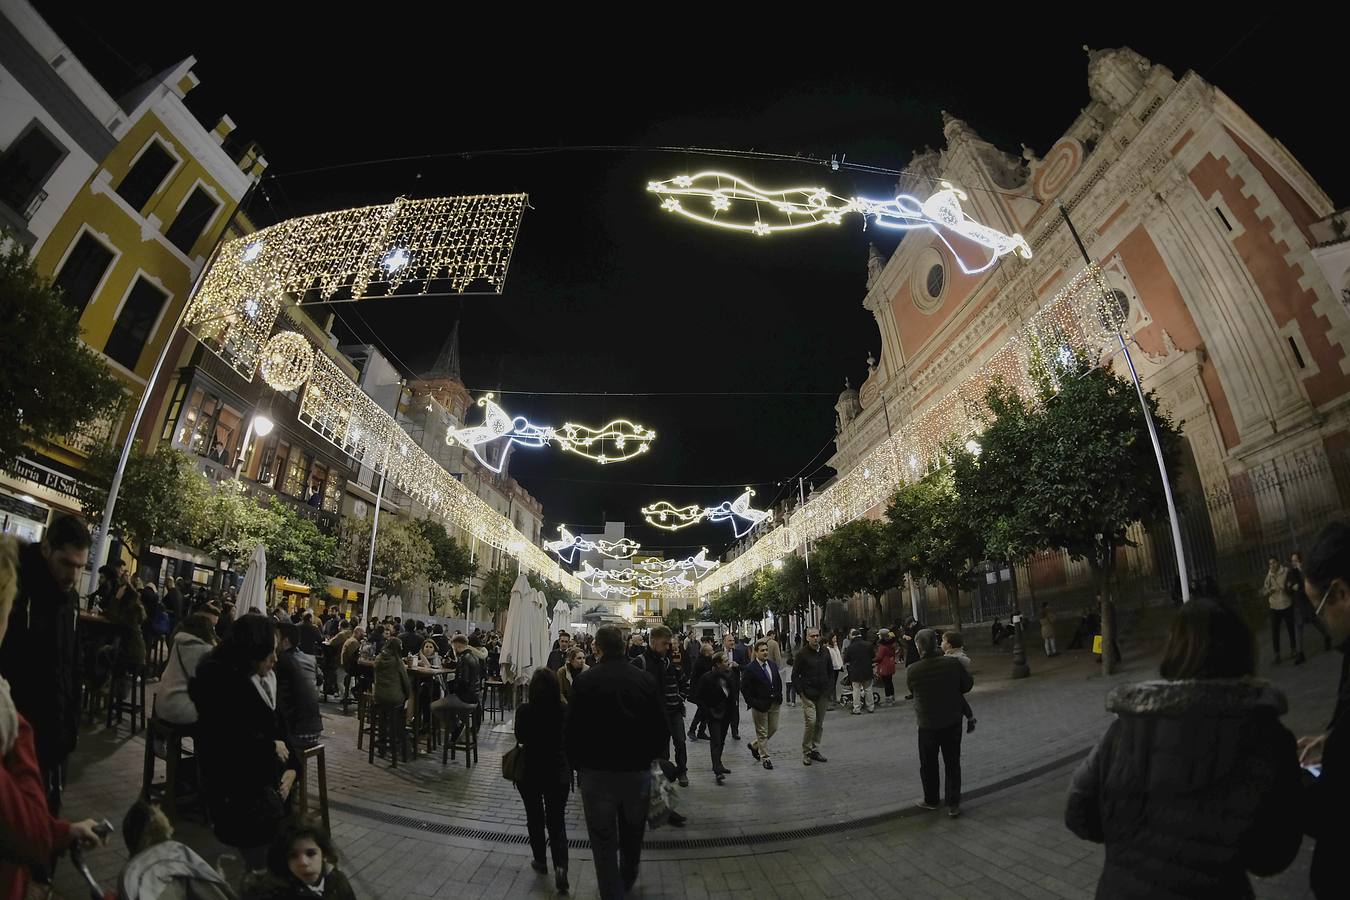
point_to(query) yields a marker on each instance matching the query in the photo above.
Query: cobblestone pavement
(425, 830)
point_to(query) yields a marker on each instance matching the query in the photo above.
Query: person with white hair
(938, 683)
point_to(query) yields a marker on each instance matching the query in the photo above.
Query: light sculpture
(568, 544)
(287, 360)
(664, 514)
(626, 438)
(799, 208)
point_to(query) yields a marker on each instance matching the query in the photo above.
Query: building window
(83, 270)
(1114, 311)
(25, 167)
(297, 472)
(1298, 355)
(145, 177)
(139, 314)
(934, 280)
(192, 219)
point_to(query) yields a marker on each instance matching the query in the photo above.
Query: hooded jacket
(172, 703)
(1195, 784)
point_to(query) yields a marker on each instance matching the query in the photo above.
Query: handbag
(513, 764)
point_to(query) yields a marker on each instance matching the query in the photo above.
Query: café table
(419, 674)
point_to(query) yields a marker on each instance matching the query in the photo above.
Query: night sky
(744, 343)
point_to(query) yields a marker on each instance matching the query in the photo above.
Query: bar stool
(135, 702)
(386, 728)
(468, 736)
(315, 753)
(362, 710)
(169, 789)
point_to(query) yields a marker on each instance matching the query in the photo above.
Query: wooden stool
(316, 753)
(362, 710)
(168, 789)
(386, 727)
(468, 736)
(135, 704)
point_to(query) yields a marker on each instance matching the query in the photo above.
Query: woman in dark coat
(1196, 783)
(716, 696)
(247, 765)
(539, 730)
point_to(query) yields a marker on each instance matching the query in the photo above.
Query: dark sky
(606, 293)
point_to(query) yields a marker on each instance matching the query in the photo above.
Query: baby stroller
(846, 692)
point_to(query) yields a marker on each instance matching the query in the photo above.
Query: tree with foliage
(450, 564)
(678, 617)
(50, 384)
(737, 605)
(930, 535)
(161, 500)
(296, 549)
(553, 592)
(402, 555)
(1091, 472)
(230, 524)
(856, 558)
(495, 593)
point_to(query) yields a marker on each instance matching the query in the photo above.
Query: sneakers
(954, 812)
(970, 725)
(890, 701)
(815, 754)
(925, 804)
(768, 764)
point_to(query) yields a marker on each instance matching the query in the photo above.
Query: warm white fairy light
(569, 544)
(664, 514)
(1080, 317)
(807, 207)
(441, 245)
(615, 441)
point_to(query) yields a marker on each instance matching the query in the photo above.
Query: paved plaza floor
(427, 830)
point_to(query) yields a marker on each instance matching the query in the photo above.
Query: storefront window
(297, 468)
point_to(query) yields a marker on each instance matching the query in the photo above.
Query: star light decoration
(436, 246)
(568, 545)
(626, 438)
(666, 515)
(798, 208)
(1080, 318)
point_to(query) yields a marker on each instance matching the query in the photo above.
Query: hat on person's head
(211, 610)
(884, 633)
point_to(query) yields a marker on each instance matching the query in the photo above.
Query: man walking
(1281, 606)
(615, 728)
(763, 689)
(1304, 614)
(858, 661)
(40, 656)
(811, 669)
(938, 683)
(655, 661)
(558, 658)
(732, 722)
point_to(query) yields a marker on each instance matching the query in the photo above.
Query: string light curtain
(452, 245)
(1081, 318)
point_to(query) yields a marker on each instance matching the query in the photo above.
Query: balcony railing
(326, 521)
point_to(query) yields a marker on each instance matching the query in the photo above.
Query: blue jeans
(615, 804)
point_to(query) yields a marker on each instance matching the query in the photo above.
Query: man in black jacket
(858, 662)
(297, 696)
(559, 656)
(655, 661)
(763, 689)
(938, 683)
(615, 728)
(698, 729)
(40, 657)
(814, 679)
(733, 720)
(462, 701)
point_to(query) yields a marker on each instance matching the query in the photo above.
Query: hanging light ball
(287, 361)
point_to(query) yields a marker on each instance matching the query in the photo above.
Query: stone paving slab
(1011, 843)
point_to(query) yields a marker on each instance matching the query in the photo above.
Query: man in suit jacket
(763, 689)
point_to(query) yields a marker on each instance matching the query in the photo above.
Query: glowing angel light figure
(567, 545)
(738, 511)
(616, 441)
(798, 208)
(699, 563)
(620, 549)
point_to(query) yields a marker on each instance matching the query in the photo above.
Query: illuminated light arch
(799, 208)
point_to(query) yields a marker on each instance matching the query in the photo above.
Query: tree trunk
(1020, 669)
(1108, 616)
(954, 597)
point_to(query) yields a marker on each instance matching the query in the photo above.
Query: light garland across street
(797, 208)
(568, 545)
(1080, 317)
(441, 245)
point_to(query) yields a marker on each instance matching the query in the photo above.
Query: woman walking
(543, 790)
(836, 666)
(1196, 783)
(885, 662)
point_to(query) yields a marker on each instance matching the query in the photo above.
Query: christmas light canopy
(664, 514)
(798, 208)
(616, 441)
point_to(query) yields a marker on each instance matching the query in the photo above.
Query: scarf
(9, 720)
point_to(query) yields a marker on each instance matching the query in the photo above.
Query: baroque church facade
(1207, 231)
